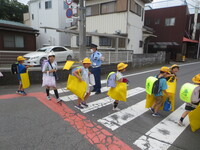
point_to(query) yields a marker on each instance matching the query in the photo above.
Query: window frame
(102, 43)
(101, 7)
(14, 40)
(169, 23)
(47, 2)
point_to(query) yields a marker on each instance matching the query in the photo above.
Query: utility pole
(82, 30)
(195, 19)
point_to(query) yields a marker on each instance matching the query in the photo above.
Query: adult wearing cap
(49, 76)
(164, 71)
(96, 59)
(21, 69)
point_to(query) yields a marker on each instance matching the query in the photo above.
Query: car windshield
(43, 49)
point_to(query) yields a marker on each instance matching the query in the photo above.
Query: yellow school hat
(20, 58)
(196, 79)
(121, 66)
(86, 61)
(174, 66)
(165, 69)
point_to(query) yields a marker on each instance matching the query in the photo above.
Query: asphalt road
(32, 122)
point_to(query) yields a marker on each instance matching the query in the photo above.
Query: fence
(112, 57)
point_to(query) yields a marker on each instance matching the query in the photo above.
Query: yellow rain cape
(25, 80)
(171, 90)
(77, 87)
(119, 92)
(194, 118)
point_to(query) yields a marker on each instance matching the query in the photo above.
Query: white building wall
(108, 23)
(135, 25)
(53, 17)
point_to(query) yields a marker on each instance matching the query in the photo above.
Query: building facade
(16, 36)
(172, 26)
(124, 18)
(49, 13)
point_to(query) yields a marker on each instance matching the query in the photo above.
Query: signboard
(69, 13)
(69, 2)
(69, 20)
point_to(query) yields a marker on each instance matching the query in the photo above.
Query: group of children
(49, 81)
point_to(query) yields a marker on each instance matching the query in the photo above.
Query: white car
(36, 58)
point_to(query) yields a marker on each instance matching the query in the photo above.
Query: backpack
(14, 68)
(156, 86)
(43, 62)
(111, 79)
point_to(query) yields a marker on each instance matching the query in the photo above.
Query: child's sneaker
(156, 115)
(180, 123)
(152, 110)
(18, 92)
(80, 107)
(58, 100)
(84, 104)
(116, 109)
(48, 98)
(23, 93)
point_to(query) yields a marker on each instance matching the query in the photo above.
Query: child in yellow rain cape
(22, 76)
(155, 101)
(171, 83)
(195, 100)
(83, 75)
(118, 93)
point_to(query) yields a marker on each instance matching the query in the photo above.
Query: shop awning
(189, 40)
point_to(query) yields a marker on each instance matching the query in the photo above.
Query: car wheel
(69, 57)
(42, 59)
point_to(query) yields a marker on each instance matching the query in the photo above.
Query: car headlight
(34, 57)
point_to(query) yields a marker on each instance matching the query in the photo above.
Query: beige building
(115, 21)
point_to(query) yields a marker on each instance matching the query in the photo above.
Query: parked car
(36, 58)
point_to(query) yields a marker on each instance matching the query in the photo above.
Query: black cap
(93, 46)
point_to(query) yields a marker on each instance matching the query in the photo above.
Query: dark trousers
(97, 76)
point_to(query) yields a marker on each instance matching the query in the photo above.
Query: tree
(12, 10)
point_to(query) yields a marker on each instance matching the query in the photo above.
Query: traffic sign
(69, 2)
(69, 13)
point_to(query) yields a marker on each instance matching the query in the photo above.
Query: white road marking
(124, 116)
(62, 90)
(107, 101)
(161, 136)
(74, 97)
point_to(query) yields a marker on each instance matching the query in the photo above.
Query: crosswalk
(160, 137)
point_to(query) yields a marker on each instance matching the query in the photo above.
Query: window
(32, 16)
(92, 10)
(197, 26)
(157, 21)
(11, 41)
(48, 4)
(108, 7)
(135, 8)
(39, 4)
(88, 40)
(122, 43)
(104, 41)
(169, 21)
(59, 49)
(140, 43)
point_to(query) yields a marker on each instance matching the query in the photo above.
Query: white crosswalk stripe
(61, 90)
(107, 101)
(124, 116)
(161, 136)
(74, 97)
